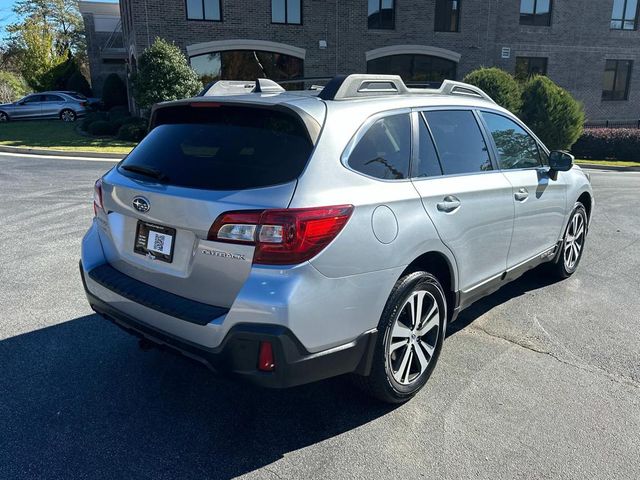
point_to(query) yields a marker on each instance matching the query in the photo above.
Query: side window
(34, 99)
(52, 98)
(384, 151)
(427, 163)
(516, 148)
(459, 141)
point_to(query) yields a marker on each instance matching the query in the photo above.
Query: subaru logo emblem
(141, 204)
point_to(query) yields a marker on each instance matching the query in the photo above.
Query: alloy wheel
(574, 241)
(3, 117)
(413, 338)
(68, 116)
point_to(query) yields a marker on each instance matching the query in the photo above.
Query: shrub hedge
(114, 91)
(119, 111)
(101, 127)
(551, 112)
(132, 132)
(90, 118)
(609, 143)
(499, 85)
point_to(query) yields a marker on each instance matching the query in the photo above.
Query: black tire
(4, 117)
(382, 382)
(561, 267)
(67, 115)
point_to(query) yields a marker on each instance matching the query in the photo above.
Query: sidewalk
(61, 153)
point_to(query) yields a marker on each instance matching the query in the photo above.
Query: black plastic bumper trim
(237, 354)
(155, 298)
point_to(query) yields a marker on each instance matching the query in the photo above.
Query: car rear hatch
(199, 160)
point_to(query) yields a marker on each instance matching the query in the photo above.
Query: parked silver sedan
(45, 105)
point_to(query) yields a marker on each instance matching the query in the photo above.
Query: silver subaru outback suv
(287, 237)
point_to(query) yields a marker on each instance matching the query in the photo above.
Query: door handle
(522, 194)
(448, 204)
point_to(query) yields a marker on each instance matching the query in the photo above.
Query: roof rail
(451, 87)
(345, 87)
(240, 87)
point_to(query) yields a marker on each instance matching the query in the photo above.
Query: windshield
(227, 148)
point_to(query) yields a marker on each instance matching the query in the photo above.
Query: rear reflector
(266, 363)
(97, 197)
(282, 237)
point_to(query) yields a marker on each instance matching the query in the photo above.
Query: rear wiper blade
(146, 171)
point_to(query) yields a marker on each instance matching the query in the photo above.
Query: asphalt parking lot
(539, 380)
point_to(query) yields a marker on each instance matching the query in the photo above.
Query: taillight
(84, 104)
(282, 237)
(97, 197)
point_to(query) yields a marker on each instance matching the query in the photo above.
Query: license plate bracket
(154, 241)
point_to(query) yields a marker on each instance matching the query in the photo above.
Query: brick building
(589, 47)
(105, 46)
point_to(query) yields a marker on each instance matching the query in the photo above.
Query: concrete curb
(61, 153)
(612, 168)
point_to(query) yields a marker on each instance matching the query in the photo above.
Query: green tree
(47, 34)
(552, 113)
(78, 83)
(163, 74)
(12, 87)
(499, 85)
(114, 91)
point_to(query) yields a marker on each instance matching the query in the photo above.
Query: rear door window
(384, 151)
(221, 148)
(427, 163)
(459, 141)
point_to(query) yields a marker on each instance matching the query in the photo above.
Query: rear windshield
(221, 148)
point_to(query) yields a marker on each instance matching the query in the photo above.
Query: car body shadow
(80, 400)
(532, 280)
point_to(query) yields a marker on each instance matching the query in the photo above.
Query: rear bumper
(237, 354)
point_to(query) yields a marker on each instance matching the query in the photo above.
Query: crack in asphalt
(620, 379)
(272, 472)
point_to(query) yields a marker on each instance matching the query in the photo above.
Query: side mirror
(560, 161)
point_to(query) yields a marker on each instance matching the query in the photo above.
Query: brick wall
(98, 68)
(577, 43)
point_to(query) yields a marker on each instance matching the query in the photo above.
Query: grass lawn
(614, 163)
(57, 135)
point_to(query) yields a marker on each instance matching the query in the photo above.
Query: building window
(204, 10)
(529, 66)
(447, 16)
(415, 70)
(617, 74)
(246, 65)
(535, 12)
(382, 14)
(286, 11)
(624, 15)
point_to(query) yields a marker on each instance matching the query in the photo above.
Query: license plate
(155, 241)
